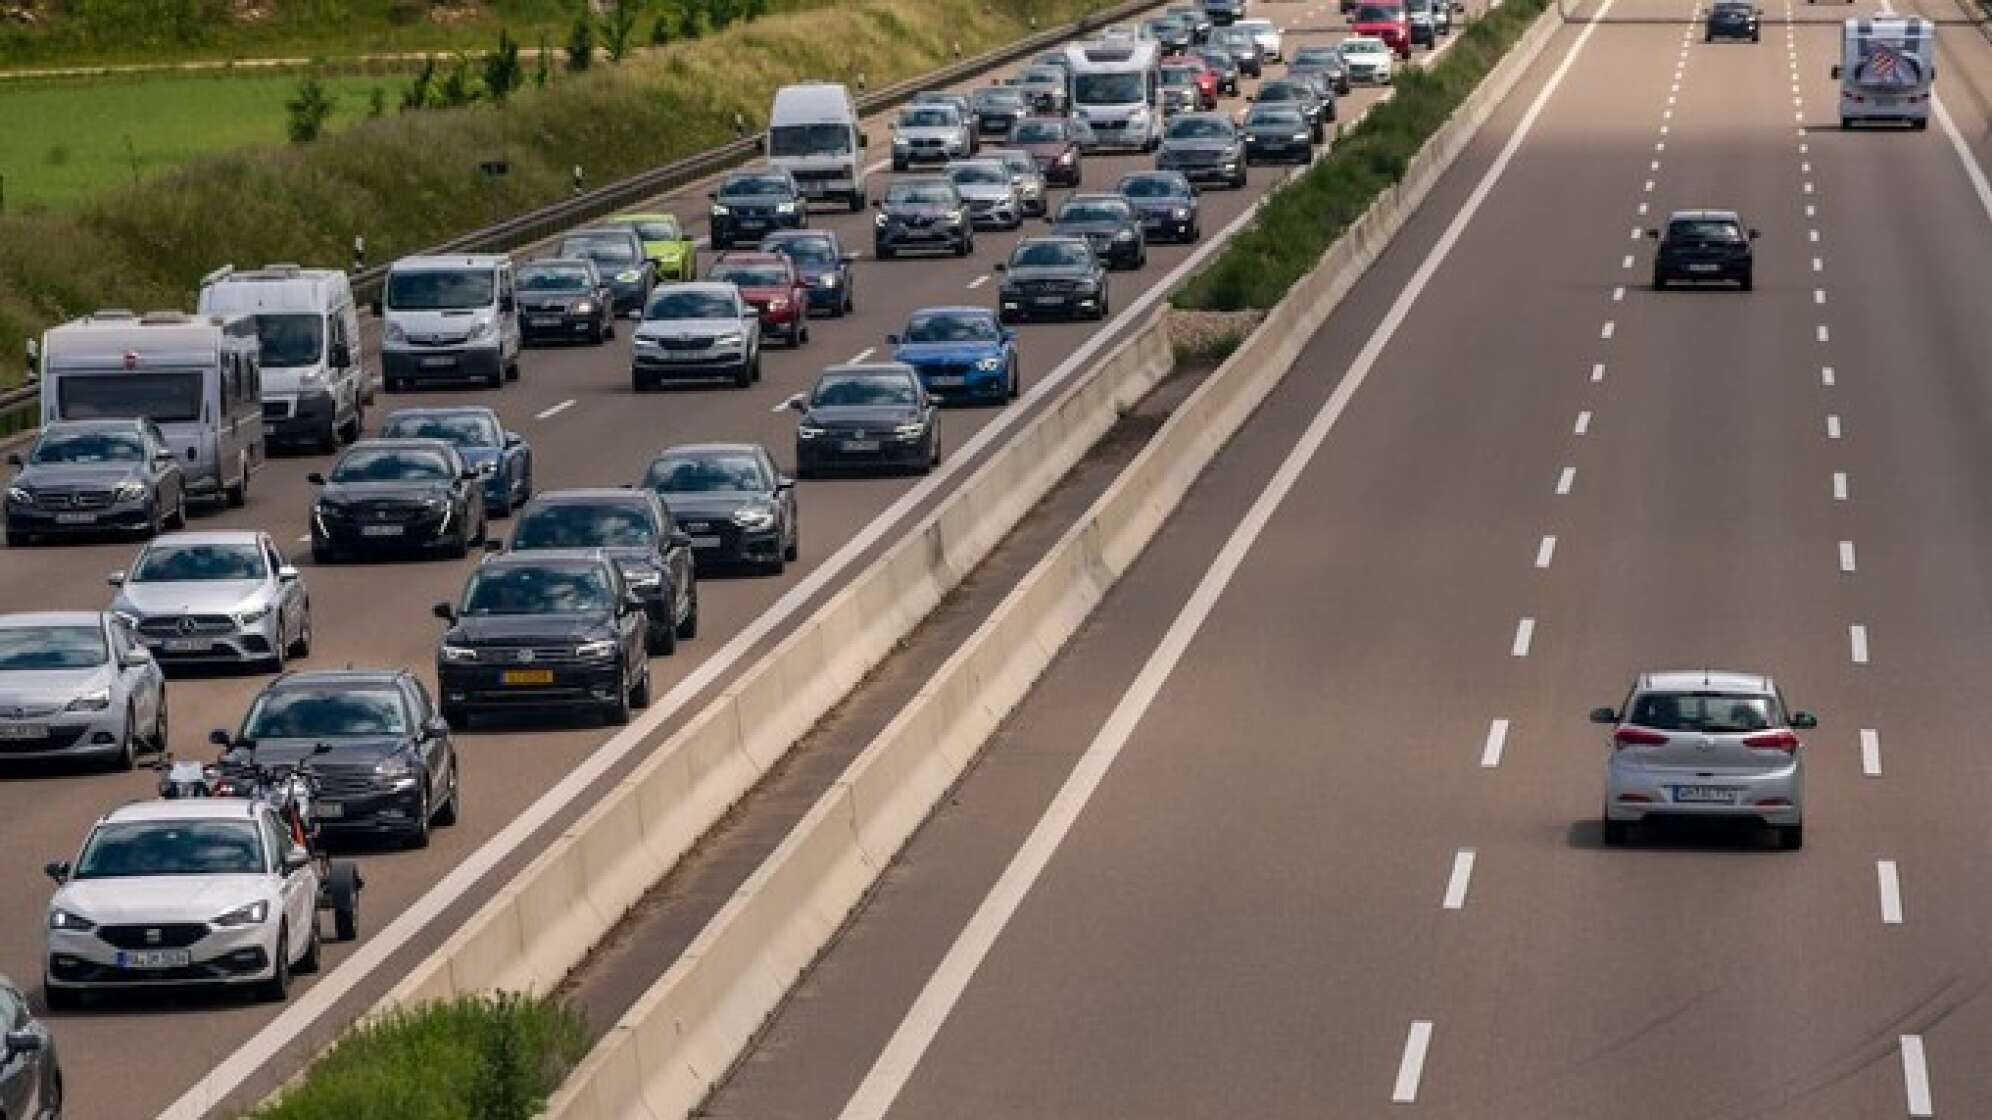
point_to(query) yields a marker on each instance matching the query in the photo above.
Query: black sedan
(749, 205)
(1108, 224)
(384, 755)
(1322, 58)
(1052, 276)
(1203, 146)
(819, 256)
(731, 500)
(30, 1073)
(503, 457)
(1704, 246)
(544, 630)
(1303, 96)
(622, 260)
(867, 417)
(1277, 133)
(1731, 19)
(1167, 202)
(95, 476)
(634, 529)
(397, 496)
(564, 299)
(922, 213)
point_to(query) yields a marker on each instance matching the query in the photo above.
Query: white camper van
(314, 386)
(1116, 87)
(813, 132)
(1887, 66)
(449, 318)
(198, 377)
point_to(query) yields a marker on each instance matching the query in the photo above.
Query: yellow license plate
(529, 676)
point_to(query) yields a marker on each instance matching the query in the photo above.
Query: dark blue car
(504, 458)
(961, 354)
(820, 257)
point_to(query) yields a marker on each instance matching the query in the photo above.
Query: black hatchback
(399, 496)
(1704, 246)
(1729, 19)
(749, 205)
(1108, 223)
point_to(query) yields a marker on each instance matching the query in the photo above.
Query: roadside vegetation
(1304, 218)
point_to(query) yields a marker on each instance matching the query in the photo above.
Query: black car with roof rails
(1167, 202)
(868, 416)
(634, 528)
(752, 203)
(1203, 147)
(621, 259)
(819, 256)
(396, 496)
(1303, 95)
(557, 629)
(731, 499)
(926, 212)
(1733, 19)
(391, 767)
(95, 476)
(562, 299)
(1324, 58)
(1107, 223)
(1704, 246)
(1277, 133)
(1052, 277)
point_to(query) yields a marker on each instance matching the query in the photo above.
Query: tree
(543, 64)
(420, 90)
(660, 28)
(581, 43)
(617, 27)
(457, 87)
(307, 110)
(721, 13)
(502, 71)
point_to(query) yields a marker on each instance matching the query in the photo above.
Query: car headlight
(591, 651)
(879, 221)
(434, 503)
(1066, 156)
(1124, 235)
(719, 211)
(910, 431)
(311, 379)
(20, 494)
(643, 578)
(753, 517)
(778, 303)
(130, 618)
(1300, 136)
(645, 342)
(628, 276)
(254, 914)
(458, 655)
(900, 142)
(785, 208)
(733, 339)
(807, 431)
(399, 766)
(394, 333)
(990, 363)
(1180, 213)
(64, 919)
(583, 307)
(91, 701)
(253, 615)
(478, 330)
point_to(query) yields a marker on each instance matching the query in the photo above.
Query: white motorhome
(1887, 66)
(814, 132)
(449, 318)
(1116, 87)
(199, 377)
(314, 386)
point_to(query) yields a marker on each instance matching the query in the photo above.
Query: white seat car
(77, 684)
(1705, 743)
(196, 891)
(1368, 59)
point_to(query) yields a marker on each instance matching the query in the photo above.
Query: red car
(1387, 22)
(1205, 79)
(770, 282)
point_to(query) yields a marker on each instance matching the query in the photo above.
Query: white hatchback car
(1368, 59)
(1705, 743)
(199, 891)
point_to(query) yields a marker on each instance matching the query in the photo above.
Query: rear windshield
(1698, 230)
(1711, 712)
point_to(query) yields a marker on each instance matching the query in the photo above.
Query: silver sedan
(216, 598)
(1705, 743)
(77, 684)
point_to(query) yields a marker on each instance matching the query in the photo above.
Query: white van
(314, 385)
(198, 377)
(1116, 88)
(814, 132)
(1887, 66)
(453, 318)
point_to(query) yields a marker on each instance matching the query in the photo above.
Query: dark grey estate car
(94, 476)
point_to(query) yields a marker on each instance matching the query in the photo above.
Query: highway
(1304, 822)
(576, 408)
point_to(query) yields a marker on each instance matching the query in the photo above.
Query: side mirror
(444, 611)
(436, 728)
(680, 539)
(784, 482)
(1009, 335)
(57, 869)
(1754, 235)
(848, 258)
(23, 1042)
(296, 861)
(493, 545)
(221, 738)
(714, 195)
(115, 579)
(315, 478)
(341, 355)
(1804, 721)
(797, 403)
(1001, 266)
(470, 474)
(287, 574)
(375, 308)
(514, 439)
(632, 604)
(878, 204)
(487, 469)
(14, 459)
(1835, 73)
(136, 658)
(1604, 715)
(892, 339)
(162, 459)
(864, 141)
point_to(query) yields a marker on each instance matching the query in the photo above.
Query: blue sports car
(960, 353)
(504, 458)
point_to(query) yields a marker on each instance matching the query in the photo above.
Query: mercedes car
(562, 300)
(503, 458)
(736, 506)
(990, 191)
(1369, 60)
(867, 417)
(396, 497)
(1052, 277)
(697, 331)
(1108, 223)
(223, 597)
(635, 529)
(78, 685)
(95, 476)
(1168, 203)
(1203, 147)
(751, 204)
(1025, 175)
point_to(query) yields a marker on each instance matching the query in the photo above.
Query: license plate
(705, 542)
(947, 381)
(75, 518)
(545, 320)
(860, 445)
(438, 363)
(185, 645)
(687, 356)
(328, 810)
(1885, 100)
(529, 676)
(156, 958)
(23, 731)
(1048, 301)
(1704, 795)
(380, 530)
(1704, 268)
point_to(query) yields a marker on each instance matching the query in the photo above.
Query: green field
(66, 140)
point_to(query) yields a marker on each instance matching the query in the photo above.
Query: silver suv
(1705, 743)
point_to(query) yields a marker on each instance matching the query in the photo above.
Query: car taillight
(1638, 737)
(1772, 741)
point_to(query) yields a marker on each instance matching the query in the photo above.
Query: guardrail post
(359, 252)
(578, 179)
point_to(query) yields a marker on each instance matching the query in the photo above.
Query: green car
(666, 242)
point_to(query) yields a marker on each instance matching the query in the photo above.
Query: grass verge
(494, 1058)
(1294, 229)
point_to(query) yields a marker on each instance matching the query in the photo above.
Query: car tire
(277, 988)
(689, 627)
(310, 961)
(1791, 837)
(496, 380)
(744, 378)
(237, 495)
(1659, 281)
(161, 728)
(964, 247)
(1748, 281)
(1617, 833)
(615, 713)
(639, 696)
(342, 890)
(660, 641)
(1016, 382)
(417, 837)
(856, 201)
(301, 641)
(450, 810)
(794, 548)
(127, 756)
(457, 716)
(881, 251)
(178, 520)
(350, 431)
(459, 546)
(61, 999)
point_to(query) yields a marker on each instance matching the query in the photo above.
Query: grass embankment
(474, 1059)
(1298, 225)
(405, 181)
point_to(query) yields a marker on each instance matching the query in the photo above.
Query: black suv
(730, 498)
(1704, 245)
(544, 629)
(1167, 202)
(923, 213)
(391, 766)
(749, 205)
(1045, 276)
(1304, 95)
(1108, 224)
(634, 529)
(396, 495)
(1203, 146)
(1733, 19)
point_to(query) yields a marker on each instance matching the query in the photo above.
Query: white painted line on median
(1597, 371)
(1847, 556)
(1826, 376)
(1565, 480)
(550, 413)
(1870, 752)
(861, 355)
(1583, 424)
(1889, 883)
(305, 539)
(909, 1042)
(1497, 742)
(1858, 643)
(1971, 169)
(1546, 551)
(1839, 486)
(1607, 329)
(1459, 880)
(979, 281)
(1411, 1068)
(1832, 427)
(1524, 635)
(1916, 1075)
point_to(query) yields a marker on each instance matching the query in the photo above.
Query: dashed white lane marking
(1607, 329)
(862, 355)
(1821, 333)
(1637, 233)
(1597, 371)
(1655, 166)
(1832, 427)
(1627, 262)
(1460, 879)
(1889, 883)
(1812, 212)
(1804, 168)
(1857, 643)
(1565, 480)
(1659, 145)
(550, 413)
(1846, 556)
(1812, 235)
(1618, 294)
(305, 539)
(1583, 423)
(1411, 1068)
(1916, 1076)
(1524, 635)
(1546, 551)
(1839, 486)
(1826, 376)
(1818, 265)
(1807, 188)
(1642, 209)
(1663, 130)
(1818, 295)
(1870, 752)
(978, 281)
(1497, 742)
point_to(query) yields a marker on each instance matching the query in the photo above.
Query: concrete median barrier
(679, 1039)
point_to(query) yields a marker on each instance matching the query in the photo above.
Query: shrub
(502, 71)
(618, 26)
(581, 43)
(307, 111)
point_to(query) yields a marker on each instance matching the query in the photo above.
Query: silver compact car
(77, 684)
(1705, 743)
(224, 597)
(990, 190)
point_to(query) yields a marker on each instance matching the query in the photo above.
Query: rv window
(291, 340)
(231, 379)
(809, 140)
(162, 397)
(1109, 89)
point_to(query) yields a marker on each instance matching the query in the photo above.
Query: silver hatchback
(1705, 743)
(225, 597)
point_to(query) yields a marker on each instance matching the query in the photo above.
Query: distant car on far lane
(1733, 19)
(563, 299)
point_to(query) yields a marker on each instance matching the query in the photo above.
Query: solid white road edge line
(1460, 879)
(1497, 742)
(937, 999)
(1889, 883)
(1411, 1067)
(1916, 1076)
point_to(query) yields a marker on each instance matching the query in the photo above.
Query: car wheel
(308, 963)
(417, 836)
(447, 813)
(237, 495)
(1791, 837)
(794, 548)
(277, 988)
(746, 376)
(881, 251)
(1659, 280)
(639, 697)
(179, 518)
(1617, 833)
(127, 755)
(615, 713)
(301, 641)
(161, 738)
(350, 431)
(154, 524)
(503, 508)
(342, 889)
(689, 628)
(459, 546)
(1748, 281)
(496, 380)
(964, 247)
(660, 640)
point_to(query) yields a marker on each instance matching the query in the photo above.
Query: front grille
(72, 499)
(276, 410)
(1046, 287)
(171, 935)
(345, 781)
(551, 307)
(684, 343)
(386, 510)
(981, 205)
(946, 369)
(541, 656)
(174, 626)
(820, 175)
(1197, 157)
(437, 339)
